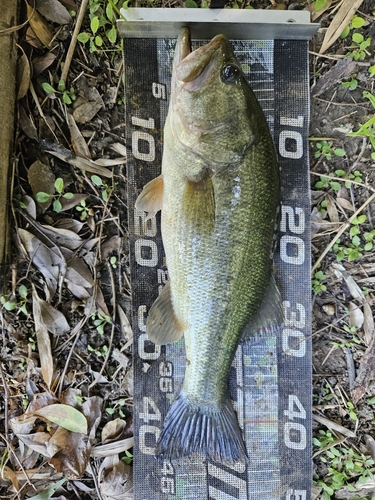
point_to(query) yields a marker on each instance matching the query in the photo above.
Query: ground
(65, 217)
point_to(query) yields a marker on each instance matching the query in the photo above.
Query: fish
(219, 196)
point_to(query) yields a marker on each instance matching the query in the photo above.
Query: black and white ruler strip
(270, 380)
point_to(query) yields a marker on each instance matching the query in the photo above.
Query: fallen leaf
(43, 341)
(53, 11)
(65, 416)
(30, 206)
(23, 75)
(334, 426)
(27, 125)
(356, 317)
(82, 163)
(342, 202)
(365, 372)
(62, 237)
(110, 245)
(54, 320)
(125, 324)
(342, 18)
(49, 491)
(79, 144)
(86, 112)
(112, 430)
(341, 69)
(115, 481)
(368, 323)
(71, 224)
(36, 442)
(40, 26)
(32, 39)
(331, 209)
(41, 179)
(110, 162)
(41, 63)
(67, 204)
(73, 459)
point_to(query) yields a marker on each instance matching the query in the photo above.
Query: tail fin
(213, 430)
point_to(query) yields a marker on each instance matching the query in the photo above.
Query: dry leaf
(27, 124)
(119, 148)
(41, 179)
(62, 237)
(110, 245)
(120, 357)
(54, 320)
(71, 224)
(53, 11)
(125, 324)
(346, 11)
(368, 324)
(30, 206)
(342, 202)
(40, 26)
(41, 63)
(79, 144)
(333, 425)
(65, 416)
(23, 75)
(115, 481)
(109, 162)
(73, 459)
(331, 209)
(365, 373)
(43, 341)
(355, 316)
(113, 429)
(82, 163)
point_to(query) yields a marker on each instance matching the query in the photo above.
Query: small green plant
(128, 459)
(317, 282)
(99, 351)
(359, 46)
(319, 5)
(42, 197)
(324, 148)
(106, 189)
(100, 322)
(67, 95)
(371, 70)
(352, 84)
(83, 209)
(10, 303)
(356, 22)
(117, 406)
(113, 261)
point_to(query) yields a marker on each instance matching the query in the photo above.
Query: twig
(345, 226)
(73, 43)
(10, 447)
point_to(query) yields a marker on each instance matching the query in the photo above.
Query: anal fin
(269, 319)
(162, 325)
(151, 198)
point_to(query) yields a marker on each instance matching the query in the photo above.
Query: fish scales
(219, 196)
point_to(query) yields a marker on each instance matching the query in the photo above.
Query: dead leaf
(36, 442)
(27, 125)
(43, 341)
(125, 324)
(368, 323)
(53, 11)
(42, 179)
(341, 69)
(114, 448)
(40, 26)
(71, 224)
(23, 424)
(331, 209)
(113, 430)
(23, 75)
(342, 18)
(110, 245)
(365, 373)
(115, 480)
(82, 163)
(30, 206)
(41, 63)
(54, 320)
(333, 425)
(342, 202)
(355, 316)
(109, 162)
(62, 237)
(79, 144)
(67, 204)
(73, 459)
(86, 112)
(119, 148)
(65, 416)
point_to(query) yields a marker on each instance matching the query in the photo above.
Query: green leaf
(319, 4)
(66, 98)
(371, 70)
(22, 290)
(357, 22)
(190, 4)
(61, 86)
(97, 180)
(48, 89)
(65, 416)
(68, 196)
(368, 246)
(357, 38)
(359, 220)
(112, 34)
(42, 197)
(339, 152)
(57, 206)
(94, 25)
(340, 173)
(98, 41)
(59, 185)
(109, 12)
(48, 492)
(346, 32)
(335, 185)
(83, 37)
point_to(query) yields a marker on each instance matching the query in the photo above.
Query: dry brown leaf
(79, 144)
(54, 320)
(23, 424)
(41, 63)
(342, 202)
(109, 162)
(120, 357)
(82, 163)
(27, 125)
(23, 75)
(115, 480)
(62, 237)
(86, 112)
(356, 317)
(331, 209)
(365, 373)
(30, 206)
(73, 459)
(71, 224)
(125, 324)
(43, 341)
(333, 425)
(107, 450)
(57, 441)
(368, 324)
(346, 11)
(112, 430)
(41, 179)
(119, 148)
(110, 245)
(40, 26)
(32, 39)
(53, 11)
(36, 442)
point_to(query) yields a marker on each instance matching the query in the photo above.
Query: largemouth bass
(219, 196)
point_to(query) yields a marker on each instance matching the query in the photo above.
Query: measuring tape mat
(270, 379)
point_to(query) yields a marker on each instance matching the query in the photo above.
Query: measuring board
(270, 379)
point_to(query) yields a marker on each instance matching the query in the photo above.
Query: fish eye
(230, 74)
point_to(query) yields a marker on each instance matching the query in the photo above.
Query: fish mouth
(194, 68)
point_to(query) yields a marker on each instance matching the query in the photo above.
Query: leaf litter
(68, 333)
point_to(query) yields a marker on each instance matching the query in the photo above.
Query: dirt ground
(64, 218)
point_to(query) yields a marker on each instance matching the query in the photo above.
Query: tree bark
(7, 104)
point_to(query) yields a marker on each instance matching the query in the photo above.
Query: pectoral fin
(269, 318)
(199, 203)
(151, 198)
(162, 325)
